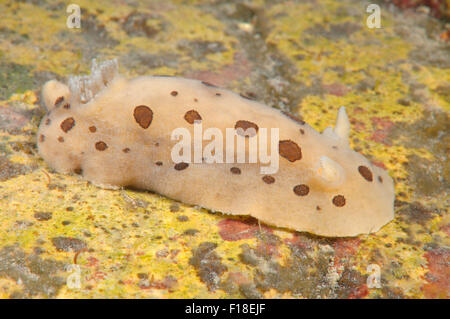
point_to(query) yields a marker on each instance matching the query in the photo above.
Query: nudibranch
(117, 132)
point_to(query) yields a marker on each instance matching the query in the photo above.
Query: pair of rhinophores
(117, 132)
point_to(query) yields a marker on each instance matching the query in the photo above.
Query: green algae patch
(14, 78)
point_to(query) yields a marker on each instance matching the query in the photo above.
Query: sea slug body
(117, 132)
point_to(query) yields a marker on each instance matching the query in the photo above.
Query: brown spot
(268, 179)
(174, 93)
(66, 106)
(68, 244)
(209, 84)
(318, 208)
(339, 200)
(78, 171)
(365, 172)
(60, 139)
(192, 116)
(126, 150)
(235, 170)
(143, 116)
(290, 150)
(218, 94)
(380, 179)
(191, 232)
(181, 166)
(43, 216)
(101, 146)
(241, 126)
(183, 218)
(301, 190)
(67, 124)
(59, 100)
(142, 276)
(294, 118)
(48, 121)
(195, 100)
(41, 138)
(159, 163)
(92, 129)
(302, 131)
(248, 96)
